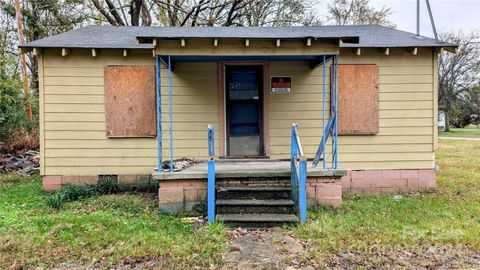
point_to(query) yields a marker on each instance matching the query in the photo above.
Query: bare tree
(472, 101)
(137, 9)
(206, 12)
(354, 12)
(457, 72)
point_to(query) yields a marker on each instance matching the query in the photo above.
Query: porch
(241, 169)
(259, 186)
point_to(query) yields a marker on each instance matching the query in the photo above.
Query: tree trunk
(447, 120)
(21, 41)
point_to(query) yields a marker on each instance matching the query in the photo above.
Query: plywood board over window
(130, 101)
(357, 99)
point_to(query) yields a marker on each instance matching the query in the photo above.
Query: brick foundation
(177, 196)
(188, 195)
(388, 181)
(55, 182)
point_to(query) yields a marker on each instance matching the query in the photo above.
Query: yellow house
(108, 93)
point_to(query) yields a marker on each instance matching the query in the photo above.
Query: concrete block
(310, 192)
(332, 201)
(357, 175)
(127, 178)
(373, 175)
(51, 187)
(88, 179)
(190, 195)
(70, 179)
(391, 174)
(413, 183)
(426, 179)
(171, 195)
(396, 183)
(172, 207)
(360, 183)
(328, 190)
(345, 181)
(201, 195)
(169, 184)
(409, 174)
(52, 180)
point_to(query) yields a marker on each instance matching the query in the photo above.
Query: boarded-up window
(357, 99)
(130, 101)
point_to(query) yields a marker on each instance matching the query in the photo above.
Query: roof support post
(334, 106)
(247, 42)
(65, 51)
(159, 111)
(171, 110)
(309, 42)
(324, 76)
(278, 43)
(182, 42)
(125, 52)
(94, 52)
(387, 51)
(215, 42)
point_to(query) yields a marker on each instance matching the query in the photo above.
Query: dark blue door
(244, 99)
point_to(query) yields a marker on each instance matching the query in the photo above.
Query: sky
(449, 15)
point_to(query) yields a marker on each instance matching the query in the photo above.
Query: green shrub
(107, 184)
(71, 193)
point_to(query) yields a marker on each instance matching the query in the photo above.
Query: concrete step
(257, 220)
(249, 206)
(256, 193)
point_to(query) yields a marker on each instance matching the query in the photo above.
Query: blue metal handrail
(211, 174)
(298, 168)
(331, 129)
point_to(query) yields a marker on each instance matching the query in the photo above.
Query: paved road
(461, 138)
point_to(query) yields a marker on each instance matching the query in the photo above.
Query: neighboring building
(441, 120)
(98, 104)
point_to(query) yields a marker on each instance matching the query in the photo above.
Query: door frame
(222, 106)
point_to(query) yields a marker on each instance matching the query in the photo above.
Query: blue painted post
(171, 113)
(302, 188)
(159, 112)
(211, 191)
(324, 110)
(211, 175)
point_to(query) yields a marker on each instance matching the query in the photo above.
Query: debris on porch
(180, 164)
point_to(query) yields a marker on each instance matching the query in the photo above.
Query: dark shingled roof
(373, 36)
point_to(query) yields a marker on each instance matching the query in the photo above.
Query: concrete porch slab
(245, 169)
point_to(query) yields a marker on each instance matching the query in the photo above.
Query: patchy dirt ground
(278, 249)
(270, 249)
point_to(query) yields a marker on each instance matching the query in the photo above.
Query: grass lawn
(376, 228)
(113, 229)
(369, 230)
(467, 132)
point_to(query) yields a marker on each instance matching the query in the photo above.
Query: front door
(244, 106)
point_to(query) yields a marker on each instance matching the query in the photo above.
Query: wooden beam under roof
(65, 51)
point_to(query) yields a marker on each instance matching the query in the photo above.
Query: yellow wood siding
(406, 109)
(73, 123)
(72, 113)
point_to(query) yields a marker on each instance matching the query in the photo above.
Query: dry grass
(21, 141)
(373, 230)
